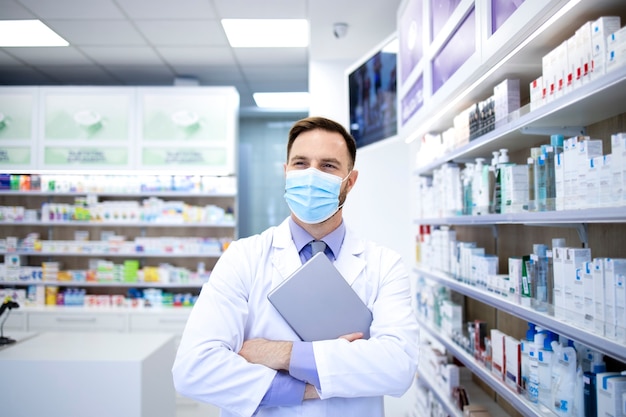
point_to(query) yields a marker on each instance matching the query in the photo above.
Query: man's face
(325, 151)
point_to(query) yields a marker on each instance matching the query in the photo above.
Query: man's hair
(313, 123)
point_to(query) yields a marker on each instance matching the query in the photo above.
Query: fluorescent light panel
(16, 33)
(283, 101)
(267, 33)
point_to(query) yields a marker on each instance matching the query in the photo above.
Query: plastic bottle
(493, 208)
(503, 160)
(480, 190)
(525, 348)
(550, 179)
(541, 187)
(596, 366)
(563, 379)
(558, 242)
(530, 206)
(545, 369)
(468, 177)
(533, 366)
(539, 281)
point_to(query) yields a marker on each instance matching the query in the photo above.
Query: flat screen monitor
(372, 95)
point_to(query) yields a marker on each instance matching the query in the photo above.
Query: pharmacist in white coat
(239, 354)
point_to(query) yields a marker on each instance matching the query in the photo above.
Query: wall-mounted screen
(372, 92)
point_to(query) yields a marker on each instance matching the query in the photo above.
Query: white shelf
(590, 103)
(183, 194)
(607, 346)
(74, 223)
(520, 403)
(476, 395)
(595, 215)
(113, 284)
(119, 254)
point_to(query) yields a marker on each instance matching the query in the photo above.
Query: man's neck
(320, 230)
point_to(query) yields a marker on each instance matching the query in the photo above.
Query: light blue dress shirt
(288, 388)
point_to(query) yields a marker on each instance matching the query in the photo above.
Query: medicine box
(497, 353)
(609, 391)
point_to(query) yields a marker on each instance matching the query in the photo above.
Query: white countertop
(82, 346)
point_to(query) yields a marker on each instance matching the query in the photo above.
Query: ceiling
(156, 42)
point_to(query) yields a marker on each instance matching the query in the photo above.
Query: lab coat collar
(286, 260)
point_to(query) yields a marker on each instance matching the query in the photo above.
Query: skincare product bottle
(493, 173)
(525, 348)
(563, 379)
(550, 178)
(503, 160)
(539, 280)
(532, 387)
(545, 368)
(531, 185)
(597, 365)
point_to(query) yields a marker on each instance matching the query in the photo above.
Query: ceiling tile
(7, 59)
(50, 56)
(21, 75)
(268, 9)
(12, 10)
(74, 9)
(142, 75)
(168, 9)
(183, 32)
(271, 56)
(97, 32)
(120, 55)
(79, 74)
(213, 75)
(207, 56)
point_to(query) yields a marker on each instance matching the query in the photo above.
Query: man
(239, 354)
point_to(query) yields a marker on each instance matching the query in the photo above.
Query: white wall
(329, 92)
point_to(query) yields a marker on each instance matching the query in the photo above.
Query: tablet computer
(318, 303)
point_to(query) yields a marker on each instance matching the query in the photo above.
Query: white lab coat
(233, 307)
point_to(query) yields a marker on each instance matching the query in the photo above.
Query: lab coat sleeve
(386, 363)
(207, 367)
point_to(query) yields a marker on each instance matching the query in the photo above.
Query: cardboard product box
(513, 363)
(610, 388)
(497, 354)
(600, 31)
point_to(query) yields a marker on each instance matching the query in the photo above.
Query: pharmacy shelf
(186, 194)
(74, 223)
(590, 103)
(119, 254)
(155, 284)
(521, 404)
(595, 215)
(476, 395)
(600, 343)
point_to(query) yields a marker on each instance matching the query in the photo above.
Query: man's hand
(352, 336)
(271, 353)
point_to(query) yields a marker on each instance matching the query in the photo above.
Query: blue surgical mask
(312, 195)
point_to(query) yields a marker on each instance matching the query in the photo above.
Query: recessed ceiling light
(282, 101)
(15, 33)
(267, 33)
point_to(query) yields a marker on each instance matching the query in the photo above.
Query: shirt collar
(333, 240)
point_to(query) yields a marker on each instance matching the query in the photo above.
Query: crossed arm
(277, 355)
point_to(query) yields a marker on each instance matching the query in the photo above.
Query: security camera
(340, 30)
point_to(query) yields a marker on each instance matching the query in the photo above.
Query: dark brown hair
(312, 123)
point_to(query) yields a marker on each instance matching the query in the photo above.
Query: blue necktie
(317, 246)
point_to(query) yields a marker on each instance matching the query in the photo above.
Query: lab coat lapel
(349, 263)
(285, 257)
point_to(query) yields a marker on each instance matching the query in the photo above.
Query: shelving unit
(515, 399)
(517, 54)
(57, 242)
(600, 343)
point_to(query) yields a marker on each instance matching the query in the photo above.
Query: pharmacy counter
(88, 374)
